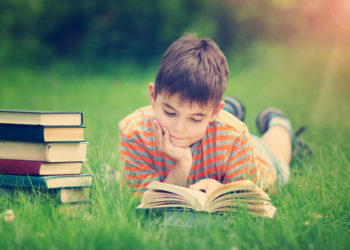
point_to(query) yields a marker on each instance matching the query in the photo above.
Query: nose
(179, 126)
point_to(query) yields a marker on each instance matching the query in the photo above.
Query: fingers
(208, 185)
(161, 135)
(165, 146)
(199, 185)
(158, 133)
(210, 189)
(166, 136)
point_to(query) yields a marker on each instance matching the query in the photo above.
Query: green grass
(307, 82)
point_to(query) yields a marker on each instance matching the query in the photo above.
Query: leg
(278, 140)
(277, 132)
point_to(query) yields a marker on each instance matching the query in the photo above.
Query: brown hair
(194, 68)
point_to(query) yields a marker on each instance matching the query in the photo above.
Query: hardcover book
(51, 118)
(73, 195)
(46, 182)
(38, 133)
(229, 197)
(39, 168)
(61, 195)
(49, 152)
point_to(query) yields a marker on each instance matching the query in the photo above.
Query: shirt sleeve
(242, 162)
(136, 163)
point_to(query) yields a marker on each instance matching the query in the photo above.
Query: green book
(46, 182)
(61, 195)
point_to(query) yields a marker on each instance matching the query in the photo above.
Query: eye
(171, 114)
(196, 120)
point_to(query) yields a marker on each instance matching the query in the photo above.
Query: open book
(229, 197)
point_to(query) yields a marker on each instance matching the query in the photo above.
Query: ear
(152, 93)
(217, 110)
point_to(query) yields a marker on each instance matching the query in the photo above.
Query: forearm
(178, 174)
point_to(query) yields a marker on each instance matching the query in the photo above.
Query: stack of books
(44, 151)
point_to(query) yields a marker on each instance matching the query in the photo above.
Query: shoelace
(299, 148)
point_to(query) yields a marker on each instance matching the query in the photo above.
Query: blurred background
(97, 33)
(97, 56)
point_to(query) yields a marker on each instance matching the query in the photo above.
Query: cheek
(199, 131)
(161, 118)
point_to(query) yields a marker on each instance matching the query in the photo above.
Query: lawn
(309, 82)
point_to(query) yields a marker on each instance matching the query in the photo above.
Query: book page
(265, 211)
(152, 197)
(194, 197)
(237, 188)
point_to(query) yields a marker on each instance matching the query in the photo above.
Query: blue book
(46, 182)
(39, 133)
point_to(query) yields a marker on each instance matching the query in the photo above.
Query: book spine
(13, 132)
(22, 181)
(20, 167)
(46, 152)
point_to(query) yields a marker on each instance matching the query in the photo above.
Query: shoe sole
(236, 106)
(263, 117)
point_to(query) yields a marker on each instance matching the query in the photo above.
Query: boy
(190, 137)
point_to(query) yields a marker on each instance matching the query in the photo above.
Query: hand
(178, 154)
(182, 156)
(208, 185)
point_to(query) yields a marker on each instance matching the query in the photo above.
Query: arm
(138, 166)
(182, 156)
(240, 163)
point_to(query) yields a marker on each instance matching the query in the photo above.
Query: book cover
(48, 152)
(72, 195)
(20, 167)
(34, 117)
(46, 182)
(39, 133)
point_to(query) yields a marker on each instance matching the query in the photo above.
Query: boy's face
(186, 123)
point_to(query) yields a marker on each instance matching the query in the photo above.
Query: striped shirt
(226, 153)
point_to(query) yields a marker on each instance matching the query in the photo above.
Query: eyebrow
(195, 114)
(168, 105)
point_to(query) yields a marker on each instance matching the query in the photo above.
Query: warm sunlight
(340, 11)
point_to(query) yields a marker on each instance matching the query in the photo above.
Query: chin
(181, 144)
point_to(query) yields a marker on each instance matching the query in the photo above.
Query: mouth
(175, 138)
(178, 142)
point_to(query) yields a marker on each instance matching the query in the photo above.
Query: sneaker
(264, 117)
(299, 148)
(235, 107)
